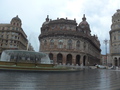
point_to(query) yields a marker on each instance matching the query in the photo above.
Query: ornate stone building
(115, 39)
(68, 43)
(12, 36)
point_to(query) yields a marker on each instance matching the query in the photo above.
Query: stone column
(55, 58)
(118, 62)
(81, 59)
(73, 60)
(113, 61)
(64, 59)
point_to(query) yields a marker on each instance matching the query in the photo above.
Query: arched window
(114, 37)
(51, 56)
(60, 44)
(69, 44)
(51, 43)
(45, 42)
(84, 45)
(78, 45)
(61, 26)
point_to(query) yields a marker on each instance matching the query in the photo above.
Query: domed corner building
(115, 39)
(67, 43)
(12, 36)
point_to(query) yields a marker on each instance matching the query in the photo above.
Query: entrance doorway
(78, 60)
(69, 59)
(84, 60)
(59, 58)
(51, 56)
(115, 61)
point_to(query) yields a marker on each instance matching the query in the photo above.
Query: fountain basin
(34, 67)
(25, 56)
(29, 61)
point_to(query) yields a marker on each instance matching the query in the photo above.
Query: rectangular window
(15, 37)
(10, 28)
(7, 36)
(118, 37)
(2, 28)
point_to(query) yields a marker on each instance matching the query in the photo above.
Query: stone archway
(69, 59)
(59, 58)
(78, 60)
(51, 56)
(115, 61)
(84, 60)
(119, 62)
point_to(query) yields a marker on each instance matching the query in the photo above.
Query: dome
(116, 20)
(16, 21)
(45, 23)
(16, 18)
(47, 20)
(117, 13)
(84, 22)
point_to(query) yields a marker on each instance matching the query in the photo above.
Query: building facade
(103, 60)
(12, 36)
(67, 43)
(115, 39)
(30, 47)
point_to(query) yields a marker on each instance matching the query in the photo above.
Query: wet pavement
(89, 79)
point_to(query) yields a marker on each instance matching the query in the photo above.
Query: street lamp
(106, 42)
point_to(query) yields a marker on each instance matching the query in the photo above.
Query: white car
(101, 66)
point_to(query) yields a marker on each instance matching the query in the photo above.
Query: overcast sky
(34, 12)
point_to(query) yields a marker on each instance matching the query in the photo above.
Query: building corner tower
(115, 39)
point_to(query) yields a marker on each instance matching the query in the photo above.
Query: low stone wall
(6, 63)
(26, 64)
(45, 65)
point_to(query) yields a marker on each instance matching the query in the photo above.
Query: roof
(16, 18)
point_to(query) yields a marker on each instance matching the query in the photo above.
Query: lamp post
(106, 41)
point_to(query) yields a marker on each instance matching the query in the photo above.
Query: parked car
(101, 66)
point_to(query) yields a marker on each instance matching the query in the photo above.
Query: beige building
(12, 36)
(68, 43)
(103, 60)
(30, 47)
(115, 39)
(106, 60)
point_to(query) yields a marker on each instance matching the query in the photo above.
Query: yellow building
(12, 35)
